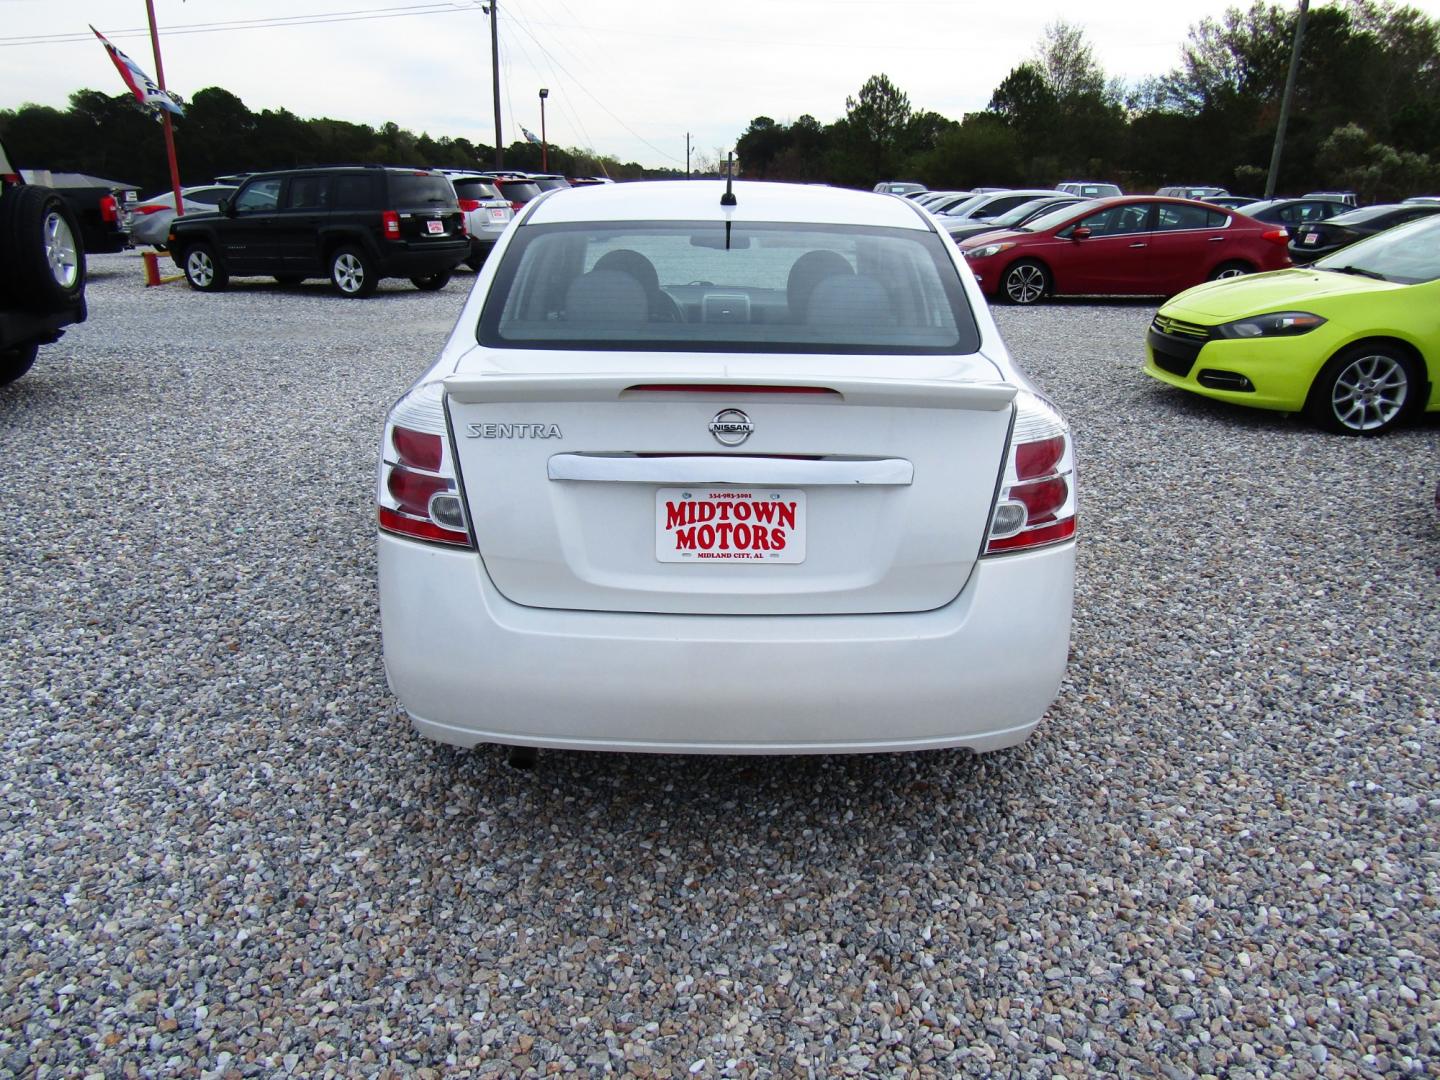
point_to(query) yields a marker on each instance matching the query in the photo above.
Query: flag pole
(165, 113)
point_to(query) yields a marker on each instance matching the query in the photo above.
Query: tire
(432, 283)
(16, 361)
(288, 279)
(1365, 390)
(202, 270)
(1226, 271)
(352, 273)
(43, 262)
(1024, 282)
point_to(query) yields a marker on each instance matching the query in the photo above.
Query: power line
(279, 21)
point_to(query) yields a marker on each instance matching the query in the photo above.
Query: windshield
(1361, 216)
(1021, 212)
(1060, 215)
(756, 287)
(1407, 254)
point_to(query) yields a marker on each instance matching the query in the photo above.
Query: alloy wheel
(1025, 284)
(61, 251)
(1370, 392)
(200, 268)
(349, 273)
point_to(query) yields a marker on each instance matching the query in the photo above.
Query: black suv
(42, 271)
(355, 224)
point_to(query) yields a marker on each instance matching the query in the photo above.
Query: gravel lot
(223, 852)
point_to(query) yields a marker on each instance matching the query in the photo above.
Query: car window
(209, 196)
(476, 189)
(676, 286)
(421, 189)
(259, 196)
(520, 191)
(307, 192)
(1118, 220)
(1171, 217)
(354, 191)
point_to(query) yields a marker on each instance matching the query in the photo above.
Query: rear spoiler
(930, 394)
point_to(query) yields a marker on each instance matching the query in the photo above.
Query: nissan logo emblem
(731, 427)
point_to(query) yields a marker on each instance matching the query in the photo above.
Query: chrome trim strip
(722, 469)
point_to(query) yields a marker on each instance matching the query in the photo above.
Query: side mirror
(1080, 232)
(225, 208)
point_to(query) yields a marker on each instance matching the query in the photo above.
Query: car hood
(1279, 290)
(994, 236)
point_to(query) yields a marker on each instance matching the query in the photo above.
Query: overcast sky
(626, 77)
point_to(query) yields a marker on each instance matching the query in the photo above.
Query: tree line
(115, 138)
(1366, 115)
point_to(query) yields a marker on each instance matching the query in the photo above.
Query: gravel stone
(223, 852)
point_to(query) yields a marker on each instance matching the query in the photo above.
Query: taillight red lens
(1038, 458)
(390, 222)
(1276, 236)
(109, 208)
(418, 449)
(150, 208)
(412, 490)
(516, 205)
(469, 205)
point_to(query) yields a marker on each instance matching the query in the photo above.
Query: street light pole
(544, 146)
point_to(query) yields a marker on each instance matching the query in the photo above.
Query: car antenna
(728, 199)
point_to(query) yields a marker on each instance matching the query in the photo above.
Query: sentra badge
(514, 431)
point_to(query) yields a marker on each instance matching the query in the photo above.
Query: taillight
(390, 224)
(109, 208)
(1036, 505)
(469, 205)
(1276, 236)
(148, 208)
(464, 226)
(516, 206)
(417, 494)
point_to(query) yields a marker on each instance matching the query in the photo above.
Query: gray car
(150, 218)
(994, 203)
(487, 212)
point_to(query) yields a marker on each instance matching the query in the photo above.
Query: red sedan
(1141, 245)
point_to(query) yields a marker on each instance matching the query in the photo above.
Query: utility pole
(544, 144)
(1274, 176)
(492, 9)
(687, 155)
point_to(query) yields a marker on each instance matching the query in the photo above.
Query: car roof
(699, 200)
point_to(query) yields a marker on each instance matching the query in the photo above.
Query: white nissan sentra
(693, 476)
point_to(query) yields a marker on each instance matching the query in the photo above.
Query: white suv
(487, 212)
(702, 477)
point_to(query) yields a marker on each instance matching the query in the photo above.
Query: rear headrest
(606, 298)
(850, 301)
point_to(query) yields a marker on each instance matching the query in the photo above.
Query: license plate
(497, 215)
(1312, 239)
(709, 524)
(434, 228)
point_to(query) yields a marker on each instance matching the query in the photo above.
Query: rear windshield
(550, 183)
(776, 288)
(421, 190)
(476, 189)
(521, 191)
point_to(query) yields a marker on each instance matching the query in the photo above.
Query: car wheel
(1025, 282)
(16, 361)
(352, 272)
(288, 279)
(1365, 390)
(1229, 270)
(433, 282)
(203, 271)
(44, 261)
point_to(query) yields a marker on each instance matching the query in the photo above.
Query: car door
(1110, 257)
(246, 238)
(303, 205)
(1187, 242)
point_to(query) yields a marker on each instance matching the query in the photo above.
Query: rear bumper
(470, 666)
(399, 260)
(19, 327)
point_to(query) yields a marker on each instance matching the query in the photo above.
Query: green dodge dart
(1352, 340)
